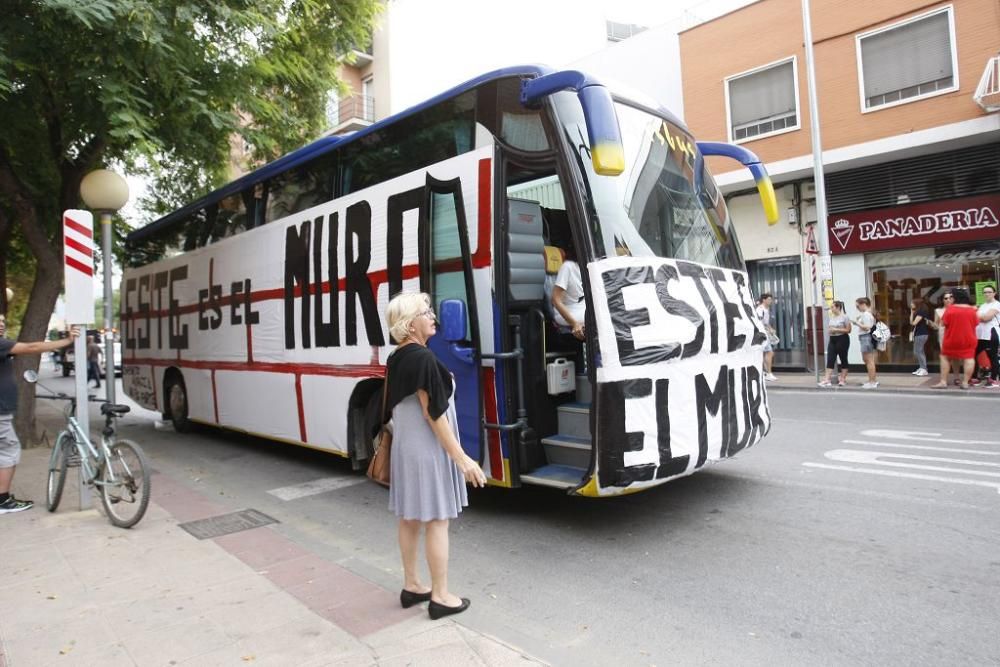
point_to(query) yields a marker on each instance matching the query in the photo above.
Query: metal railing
(987, 94)
(359, 107)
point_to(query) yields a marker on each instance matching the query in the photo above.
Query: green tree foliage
(154, 86)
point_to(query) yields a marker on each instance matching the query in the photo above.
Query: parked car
(66, 357)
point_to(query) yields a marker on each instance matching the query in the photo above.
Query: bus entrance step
(574, 419)
(567, 450)
(555, 475)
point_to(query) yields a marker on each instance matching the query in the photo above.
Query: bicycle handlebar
(66, 397)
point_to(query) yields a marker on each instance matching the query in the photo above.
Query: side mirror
(454, 326)
(30, 376)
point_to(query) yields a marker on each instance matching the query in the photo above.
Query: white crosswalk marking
(910, 460)
(922, 435)
(872, 443)
(316, 486)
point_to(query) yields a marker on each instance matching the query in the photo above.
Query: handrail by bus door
(516, 354)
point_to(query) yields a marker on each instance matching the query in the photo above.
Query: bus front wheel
(177, 403)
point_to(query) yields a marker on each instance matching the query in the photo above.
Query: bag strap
(385, 395)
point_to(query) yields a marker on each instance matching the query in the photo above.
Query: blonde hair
(402, 310)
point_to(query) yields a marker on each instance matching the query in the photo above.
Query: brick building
(910, 126)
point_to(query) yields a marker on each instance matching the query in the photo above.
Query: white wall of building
(649, 62)
(429, 46)
(850, 282)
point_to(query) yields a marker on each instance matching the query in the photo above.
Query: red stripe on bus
(493, 437)
(481, 258)
(78, 228)
(215, 399)
(79, 266)
(302, 412)
(349, 371)
(79, 247)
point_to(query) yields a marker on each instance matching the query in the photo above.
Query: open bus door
(450, 278)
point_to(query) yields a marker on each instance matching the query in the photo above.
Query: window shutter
(906, 56)
(762, 95)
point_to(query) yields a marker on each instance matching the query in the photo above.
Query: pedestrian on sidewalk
(865, 321)
(838, 345)
(959, 322)
(988, 333)
(93, 361)
(10, 446)
(764, 313)
(429, 468)
(919, 333)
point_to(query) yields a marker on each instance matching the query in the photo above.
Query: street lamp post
(105, 192)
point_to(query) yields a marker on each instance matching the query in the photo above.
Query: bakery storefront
(914, 252)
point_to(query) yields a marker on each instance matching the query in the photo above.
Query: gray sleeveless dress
(425, 484)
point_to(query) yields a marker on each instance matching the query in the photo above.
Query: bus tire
(176, 402)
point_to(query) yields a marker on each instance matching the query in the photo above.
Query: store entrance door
(782, 278)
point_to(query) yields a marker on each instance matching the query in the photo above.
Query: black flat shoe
(408, 598)
(437, 610)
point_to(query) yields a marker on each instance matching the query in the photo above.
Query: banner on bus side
(680, 379)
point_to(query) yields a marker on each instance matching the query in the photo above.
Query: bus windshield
(659, 206)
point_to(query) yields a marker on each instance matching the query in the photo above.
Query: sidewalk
(898, 383)
(77, 591)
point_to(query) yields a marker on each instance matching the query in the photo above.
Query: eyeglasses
(429, 314)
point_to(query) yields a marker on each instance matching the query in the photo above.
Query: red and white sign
(78, 265)
(811, 248)
(930, 223)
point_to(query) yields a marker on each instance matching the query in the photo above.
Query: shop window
(763, 102)
(908, 61)
(902, 277)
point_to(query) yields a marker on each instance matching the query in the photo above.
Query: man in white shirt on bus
(568, 303)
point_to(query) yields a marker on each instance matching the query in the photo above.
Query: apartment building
(909, 108)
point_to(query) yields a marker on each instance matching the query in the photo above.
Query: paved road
(863, 530)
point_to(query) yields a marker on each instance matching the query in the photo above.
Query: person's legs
(6, 477)
(93, 370)
(409, 544)
(831, 358)
(919, 343)
(994, 344)
(870, 366)
(845, 345)
(10, 456)
(968, 367)
(436, 538)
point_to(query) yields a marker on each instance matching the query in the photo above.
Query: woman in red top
(959, 321)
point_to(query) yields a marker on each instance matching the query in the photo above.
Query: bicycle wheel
(58, 464)
(126, 497)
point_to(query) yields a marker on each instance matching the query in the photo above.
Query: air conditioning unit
(808, 190)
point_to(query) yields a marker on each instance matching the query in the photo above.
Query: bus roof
(326, 144)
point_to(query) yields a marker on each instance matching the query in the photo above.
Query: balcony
(987, 94)
(349, 114)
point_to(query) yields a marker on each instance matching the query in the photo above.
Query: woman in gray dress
(429, 469)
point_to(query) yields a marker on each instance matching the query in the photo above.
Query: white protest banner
(78, 265)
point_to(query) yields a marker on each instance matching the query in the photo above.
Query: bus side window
(300, 189)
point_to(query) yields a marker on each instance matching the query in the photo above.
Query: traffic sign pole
(78, 267)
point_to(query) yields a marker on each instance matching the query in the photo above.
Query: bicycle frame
(90, 453)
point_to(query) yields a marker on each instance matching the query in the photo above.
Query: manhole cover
(225, 524)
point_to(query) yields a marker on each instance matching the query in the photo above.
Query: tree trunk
(44, 292)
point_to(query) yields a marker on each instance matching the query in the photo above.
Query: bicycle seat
(114, 409)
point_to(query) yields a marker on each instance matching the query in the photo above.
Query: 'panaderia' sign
(929, 223)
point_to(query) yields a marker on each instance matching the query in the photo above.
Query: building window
(763, 101)
(908, 61)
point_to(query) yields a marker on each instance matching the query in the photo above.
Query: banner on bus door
(78, 265)
(679, 381)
